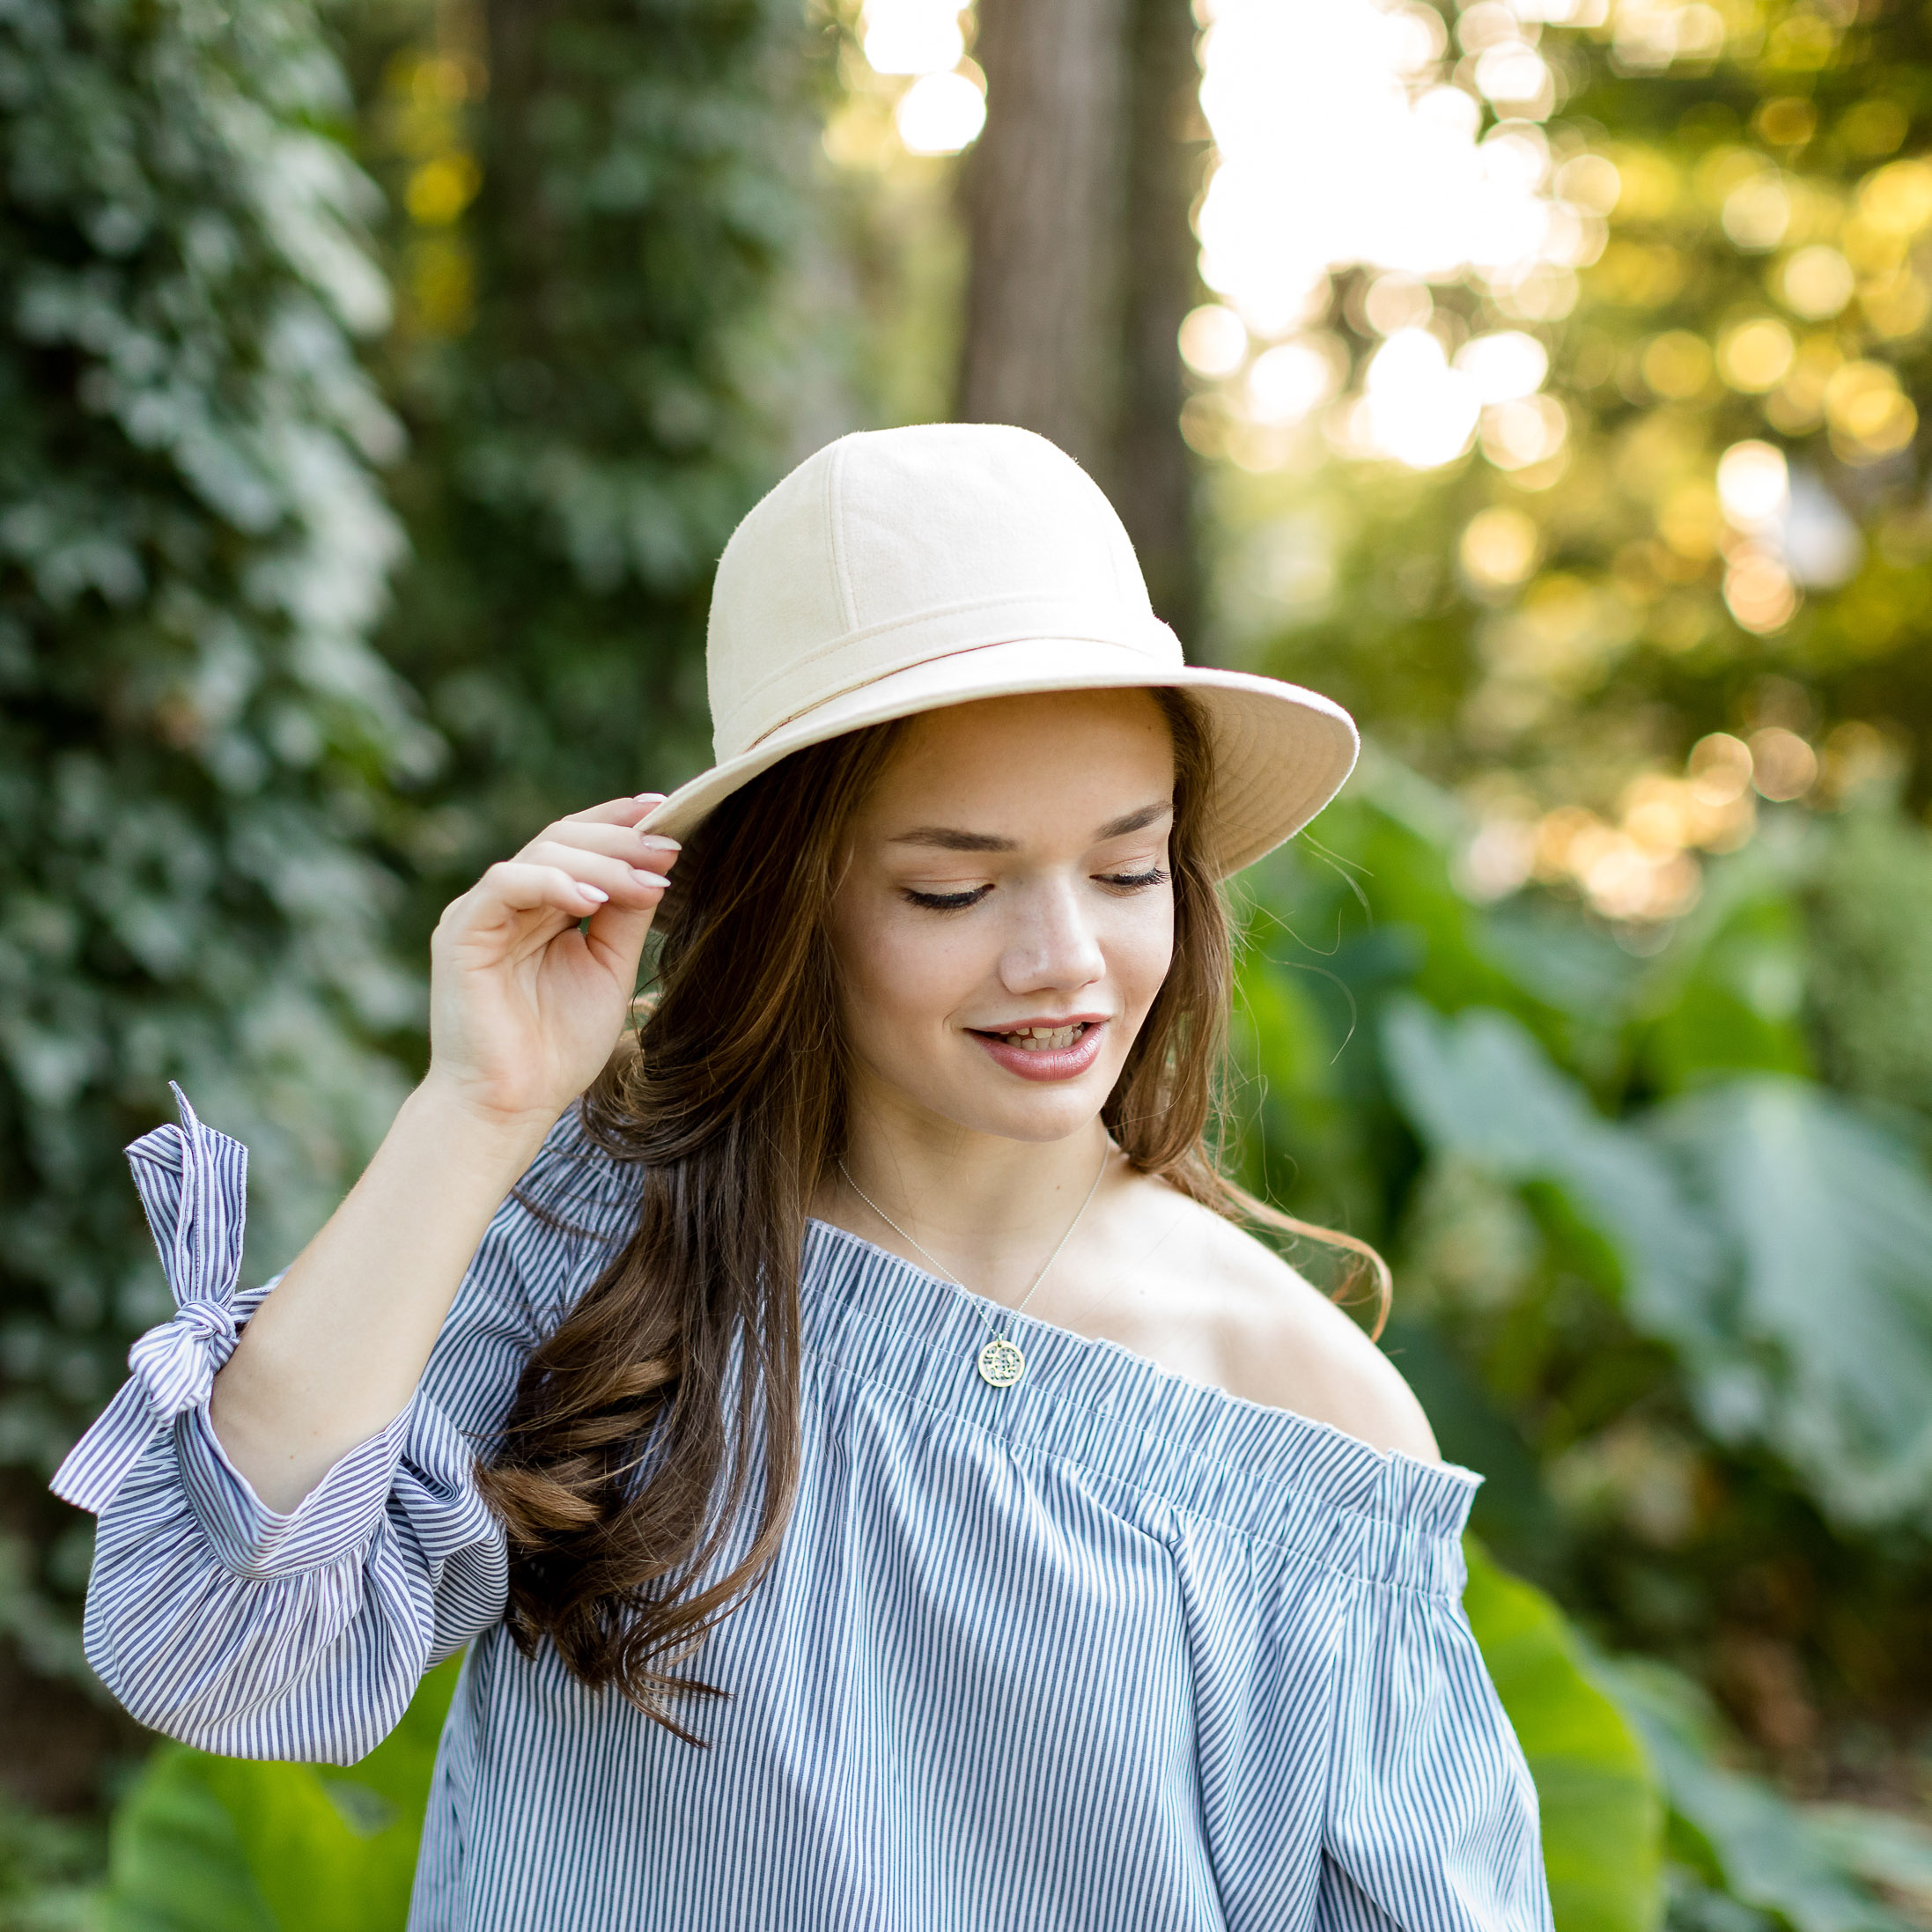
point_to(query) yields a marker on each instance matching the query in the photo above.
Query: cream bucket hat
(898, 570)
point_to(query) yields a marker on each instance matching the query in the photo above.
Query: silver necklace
(1000, 1361)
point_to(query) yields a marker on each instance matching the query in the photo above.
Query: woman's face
(1009, 883)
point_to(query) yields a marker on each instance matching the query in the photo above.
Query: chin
(1003, 1107)
(1041, 1123)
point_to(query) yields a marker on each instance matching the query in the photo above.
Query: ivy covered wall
(198, 739)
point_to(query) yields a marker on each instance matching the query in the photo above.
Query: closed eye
(957, 901)
(947, 902)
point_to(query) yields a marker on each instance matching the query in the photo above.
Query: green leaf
(1479, 1086)
(1868, 922)
(175, 1862)
(1751, 1840)
(1725, 1000)
(1829, 1220)
(1881, 1847)
(1602, 1809)
(1774, 1237)
(210, 1844)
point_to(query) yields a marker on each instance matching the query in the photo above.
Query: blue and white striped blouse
(1101, 1652)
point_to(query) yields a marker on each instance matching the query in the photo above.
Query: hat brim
(1280, 753)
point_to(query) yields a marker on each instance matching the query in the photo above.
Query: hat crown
(890, 548)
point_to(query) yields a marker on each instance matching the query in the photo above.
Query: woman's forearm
(335, 1354)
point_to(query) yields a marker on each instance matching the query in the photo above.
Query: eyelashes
(958, 902)
(1135, 881)
(947, 902)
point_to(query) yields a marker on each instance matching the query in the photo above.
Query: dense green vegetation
(598, 357)
(1600, 1003)
(198, 742)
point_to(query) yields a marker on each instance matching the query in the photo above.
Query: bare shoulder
(1224, 1307)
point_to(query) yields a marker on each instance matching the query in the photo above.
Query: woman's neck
(985, 1209)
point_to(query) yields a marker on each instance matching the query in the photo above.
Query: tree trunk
(1044, 200)
(1081, 261)
(1151, 477)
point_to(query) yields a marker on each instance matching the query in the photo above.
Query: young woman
(877, 1480)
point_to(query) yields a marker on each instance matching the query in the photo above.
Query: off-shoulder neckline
(1113, 1361)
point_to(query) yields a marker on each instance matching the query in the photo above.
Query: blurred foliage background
(1542, 378)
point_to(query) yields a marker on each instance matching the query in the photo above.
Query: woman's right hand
(524, 1007)
(524, 1010)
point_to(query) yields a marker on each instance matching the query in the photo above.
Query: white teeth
(1045, 1039)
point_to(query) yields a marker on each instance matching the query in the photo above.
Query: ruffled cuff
(420, 1466)
(193, 1183)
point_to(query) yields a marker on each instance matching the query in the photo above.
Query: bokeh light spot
(1874, 128)
(439, 190)
(1290, 379)
(1213, 340)
(1756, 213)
(1759, 592)
(1505, 366)
(1591, 182)
(911, 36)
(1870, 417)
(1397, 302)
(1754, 484)
(1677, 364)
(1815, 282)
(1500, 547)
(1753, 355)
(940, 114)
(1521, 434)
(1785, 120)
(1418, 410)
(1720, 767)
(1783, 766)
(1899, 197)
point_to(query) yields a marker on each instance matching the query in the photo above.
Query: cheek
(1140, 950)
(903, 974)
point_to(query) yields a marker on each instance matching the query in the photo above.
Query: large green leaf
(1747, 1838)
(1602, 1809)
(1778, 1241)
(1479, 1086)
(1881, 1847)
(209, 1844)
(175, 1862)
(1828, 1220)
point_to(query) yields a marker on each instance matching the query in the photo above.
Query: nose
(1054, 947)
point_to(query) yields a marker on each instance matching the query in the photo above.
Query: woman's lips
(1051, 1063)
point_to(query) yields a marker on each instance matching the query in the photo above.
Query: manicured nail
(592, 892)
(648, 798)
(646, 878)
(658, 838)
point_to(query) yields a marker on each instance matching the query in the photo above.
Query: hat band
(859, 658)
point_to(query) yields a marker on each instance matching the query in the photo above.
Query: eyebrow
(951, 838)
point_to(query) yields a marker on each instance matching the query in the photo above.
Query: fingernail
(658, 838)
(646, 878)
(648, 798)
(592, 892)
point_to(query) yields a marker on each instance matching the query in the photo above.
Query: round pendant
(1001, 1363)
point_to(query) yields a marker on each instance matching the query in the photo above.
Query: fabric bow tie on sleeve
(193, 1183)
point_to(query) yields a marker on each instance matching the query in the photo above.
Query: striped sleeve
(302, 1636)
(1431, 1822)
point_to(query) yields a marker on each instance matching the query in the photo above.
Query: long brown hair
(642, 1424)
